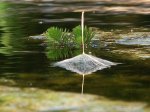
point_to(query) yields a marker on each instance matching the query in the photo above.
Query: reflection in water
(14, 29)
(9, 37)
(82, 84)
(61, 53)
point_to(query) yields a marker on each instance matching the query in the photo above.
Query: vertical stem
(82, 27)
(82, 84)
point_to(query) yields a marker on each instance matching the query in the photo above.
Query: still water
(25, 62)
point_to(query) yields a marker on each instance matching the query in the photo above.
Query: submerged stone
(134, 41)
(14, 99)
(37, 37)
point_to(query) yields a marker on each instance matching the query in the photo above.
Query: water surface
(25, 62)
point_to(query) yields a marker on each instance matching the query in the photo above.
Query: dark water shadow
(129, 81)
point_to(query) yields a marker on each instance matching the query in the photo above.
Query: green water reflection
(25, 64)
(61, 53)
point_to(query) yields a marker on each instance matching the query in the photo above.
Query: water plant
(88, 35)
(56, 36)
(62, 44)
(63, 38)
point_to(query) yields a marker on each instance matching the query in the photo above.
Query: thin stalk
(82, 27)
(82, 84)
